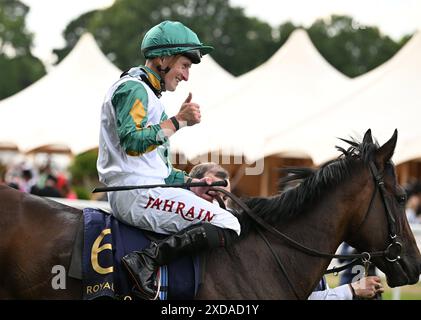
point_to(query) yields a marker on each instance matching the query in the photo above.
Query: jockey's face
(180, 67)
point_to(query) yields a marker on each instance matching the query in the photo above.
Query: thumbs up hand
(189, 113)
(188, 99)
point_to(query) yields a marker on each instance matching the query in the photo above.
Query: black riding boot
(142, 266)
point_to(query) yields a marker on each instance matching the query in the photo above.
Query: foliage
(83, 169)
(82, 192)
(351, 48)
(16, 61)
(73, 31)
(3, 170)
(241, 43)
(283, 32)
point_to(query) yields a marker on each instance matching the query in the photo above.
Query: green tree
(241, 43)
(283, 32)
(72, 33)
(350, 47)
(84, 173)
(19, 67)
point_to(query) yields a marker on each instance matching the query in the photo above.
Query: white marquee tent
(295, 83)
(295, 103)
(389, 98)
(207, 81)
(62, 108)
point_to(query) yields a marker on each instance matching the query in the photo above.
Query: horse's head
(384, 226)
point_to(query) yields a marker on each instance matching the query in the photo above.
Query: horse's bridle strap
(292, 242)
(391, 221)
(378, 178)
(365, 256)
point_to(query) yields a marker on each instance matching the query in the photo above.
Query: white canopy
(62, 108)
(294, 103)
(207, 81)
(296, 82)
(389, 99)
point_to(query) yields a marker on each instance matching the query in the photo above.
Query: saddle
(101, 241)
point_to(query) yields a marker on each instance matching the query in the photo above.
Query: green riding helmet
(171, 38)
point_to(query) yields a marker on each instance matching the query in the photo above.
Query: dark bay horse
(339, 202)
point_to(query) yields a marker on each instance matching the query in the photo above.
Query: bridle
(391, 253)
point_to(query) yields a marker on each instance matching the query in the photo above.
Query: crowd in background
(48, 182)
(43, 181)
(413, 204)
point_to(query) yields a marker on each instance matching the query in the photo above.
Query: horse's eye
(401, 199)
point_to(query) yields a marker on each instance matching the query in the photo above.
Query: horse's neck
(323, 228)
(244, 271)
(315, 231)
(249, 270)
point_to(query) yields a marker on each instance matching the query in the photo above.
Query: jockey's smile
(179, 72)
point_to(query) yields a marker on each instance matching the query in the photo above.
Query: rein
(291, 241)
(365, 256)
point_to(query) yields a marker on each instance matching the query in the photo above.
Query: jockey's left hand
(202, 191)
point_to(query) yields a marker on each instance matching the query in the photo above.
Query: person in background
(63, 186)
(413, 205)
(44, 171)
(353, 284)
(215, 172)
(364, 288)
(50, 189)
(27, 180)
(68, 192)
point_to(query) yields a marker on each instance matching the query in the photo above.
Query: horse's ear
(385, 152)
(367, 137)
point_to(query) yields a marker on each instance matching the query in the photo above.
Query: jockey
(134, 150)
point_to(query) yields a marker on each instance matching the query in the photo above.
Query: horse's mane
(312, 185)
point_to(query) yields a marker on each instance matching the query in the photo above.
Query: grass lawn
(412, 292)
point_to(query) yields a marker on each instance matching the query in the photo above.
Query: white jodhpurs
(168, 210)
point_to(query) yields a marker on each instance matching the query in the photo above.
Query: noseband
(391, 253)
